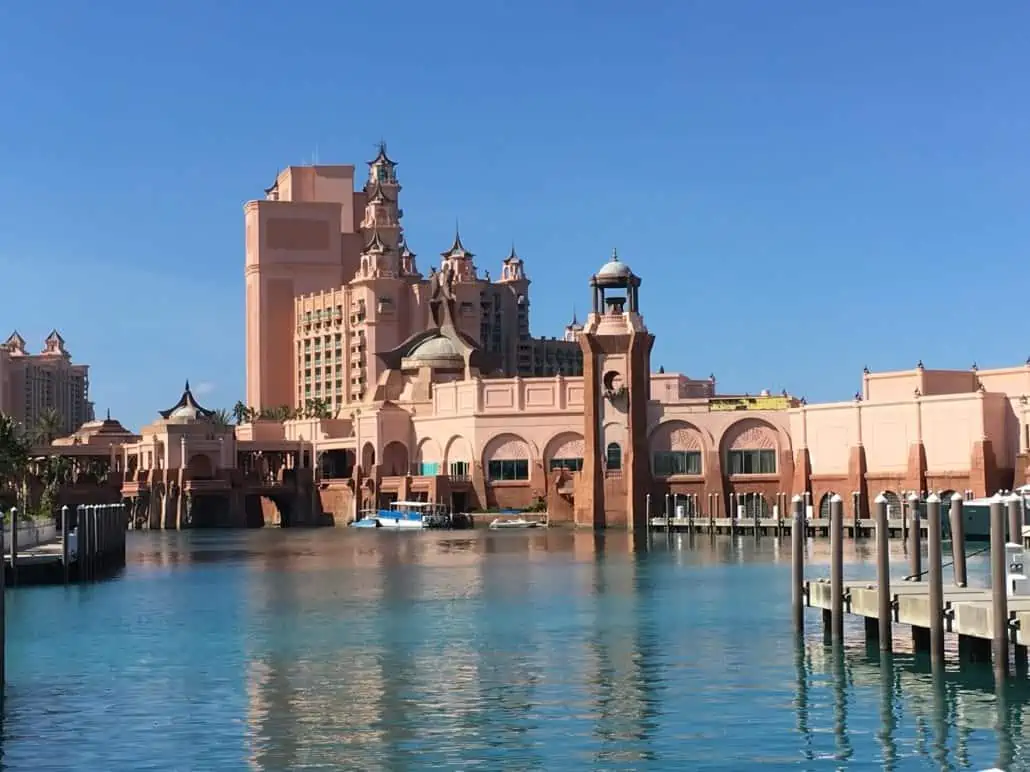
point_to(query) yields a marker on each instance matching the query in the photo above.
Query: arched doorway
(613, 457)
(824, 505)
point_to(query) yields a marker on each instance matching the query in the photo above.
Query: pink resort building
(33, 385)
(431, 387)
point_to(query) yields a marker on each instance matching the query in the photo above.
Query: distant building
(31, 384)
(332, 285)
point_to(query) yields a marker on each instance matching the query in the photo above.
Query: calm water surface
(335, 649)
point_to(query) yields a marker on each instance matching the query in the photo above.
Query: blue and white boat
(405, 516)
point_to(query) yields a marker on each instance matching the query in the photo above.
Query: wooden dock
(89, 544)
(989, 623)
(897, 527)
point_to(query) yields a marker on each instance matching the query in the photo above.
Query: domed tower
(616, 390)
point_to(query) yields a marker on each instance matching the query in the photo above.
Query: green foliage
(538, 505)
(14, 452)
(221, 418)
(49, 426)
(242, 414)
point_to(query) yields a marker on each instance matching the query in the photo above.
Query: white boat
(515, 522)
(405, 516)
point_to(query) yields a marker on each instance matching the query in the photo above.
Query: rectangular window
(673, 462)
(460, 470)
(752, 461)
(429, 469)
(571, 464)
(508, 469)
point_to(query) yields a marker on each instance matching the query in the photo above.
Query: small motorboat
(501, 523)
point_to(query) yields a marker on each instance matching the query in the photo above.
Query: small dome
(438, 351)
(185, 413)
(614, 268)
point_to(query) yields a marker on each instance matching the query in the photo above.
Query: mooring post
(80, 517)
(935, 558)
(958, 539)
(885, 606)
(64, 541)
(1015, 507)
(88, 536)
(999, 590)
(3, 615)
(797, 563)
(915, 552)
(837, 568)
(14, 545)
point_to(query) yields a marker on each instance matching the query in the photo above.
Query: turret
(512, 268)
(459, 260)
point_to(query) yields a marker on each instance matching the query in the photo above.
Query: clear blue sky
(805, 187)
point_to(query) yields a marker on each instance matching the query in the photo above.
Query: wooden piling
(936, 580)
(999, 590)
(14, 545)
(797, 563)
(1015, 508)
(837, 568)
(3, 617)
(958, 540)
(883, 576)
(65, 546)
(915, 550)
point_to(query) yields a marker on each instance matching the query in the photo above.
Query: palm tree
(56, 472)
(49, 426)
(243, 414)
(14, 452)
(221, 418)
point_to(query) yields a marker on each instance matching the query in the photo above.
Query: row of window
(665, 463)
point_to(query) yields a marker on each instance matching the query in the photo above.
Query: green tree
(14, 452)
(317, 408)
(243, 414)
(221, 418)
(49, 426)
(56, 471)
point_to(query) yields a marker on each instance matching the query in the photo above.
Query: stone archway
(750, 446)
(395, 460)
(458, 458)
(506, 458)
(677, 448)
(368, 457)
(200, 467)
(565, 451)
(429, 459)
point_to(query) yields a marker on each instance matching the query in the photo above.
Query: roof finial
(615, 254)
(575, 321)
(187, 385)
(109, 414)
(513, 255)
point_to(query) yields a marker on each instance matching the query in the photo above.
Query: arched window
(613, 456)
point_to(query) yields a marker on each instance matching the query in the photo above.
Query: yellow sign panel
(752, 403)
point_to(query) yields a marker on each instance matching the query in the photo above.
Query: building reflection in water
(622, 652)
(439, 649)
(940, 711)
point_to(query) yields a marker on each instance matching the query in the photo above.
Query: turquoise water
(335, 649)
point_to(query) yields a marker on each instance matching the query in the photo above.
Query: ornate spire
(382, 169)
(513, 255)
(381, 156)
(457, 249)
